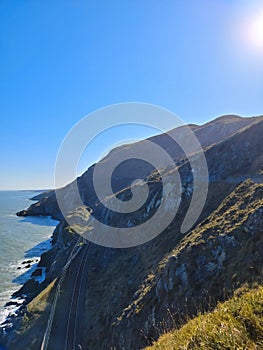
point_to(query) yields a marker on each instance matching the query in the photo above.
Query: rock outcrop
(208, 135)
(135, 294)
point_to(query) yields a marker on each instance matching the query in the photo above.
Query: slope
(235, 324)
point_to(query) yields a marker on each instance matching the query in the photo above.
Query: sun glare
(256, 30)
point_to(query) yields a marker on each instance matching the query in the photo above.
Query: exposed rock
(37, 273)
(22, 213)
(205, 267)
(135, 292)
(30, 289)
(12, 303)
(208, 135)
(27, 262)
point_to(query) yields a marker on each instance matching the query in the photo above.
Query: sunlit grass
(235, 324)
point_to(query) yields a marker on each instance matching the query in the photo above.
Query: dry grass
(235, 324)
(42, 300)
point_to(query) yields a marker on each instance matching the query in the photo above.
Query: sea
(22, 241)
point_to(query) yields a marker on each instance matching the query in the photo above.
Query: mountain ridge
(143, 281)
(48, 205)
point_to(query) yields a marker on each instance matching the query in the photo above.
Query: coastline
(22, 271)
(19, 297)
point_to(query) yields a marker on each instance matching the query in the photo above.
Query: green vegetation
(33, 322)
(144, 288)
(235, 324)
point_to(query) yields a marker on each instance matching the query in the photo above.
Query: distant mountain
(207, 134)
(109, 298)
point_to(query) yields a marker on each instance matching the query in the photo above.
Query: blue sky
(61, 60)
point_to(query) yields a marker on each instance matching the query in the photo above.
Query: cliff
(133, 295)
(209, 134)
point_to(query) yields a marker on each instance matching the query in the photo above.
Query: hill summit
(97, 297)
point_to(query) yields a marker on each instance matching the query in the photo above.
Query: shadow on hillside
(40, 220)
(25, 276)
(38, 249)
(32, 253)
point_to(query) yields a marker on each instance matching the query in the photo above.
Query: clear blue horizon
(61, 60)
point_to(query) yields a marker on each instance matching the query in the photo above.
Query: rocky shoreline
(47, 269)
(16, 307)
(132, 290)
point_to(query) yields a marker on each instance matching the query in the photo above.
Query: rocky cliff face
(208, 135)
(135, 294)
(221, 254)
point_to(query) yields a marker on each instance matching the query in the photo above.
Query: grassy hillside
(219, 256)
(149, 290)
(133, 296)
(235, 324)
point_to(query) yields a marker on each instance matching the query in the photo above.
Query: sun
(256, 30)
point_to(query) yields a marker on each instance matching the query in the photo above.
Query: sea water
(22, 241)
